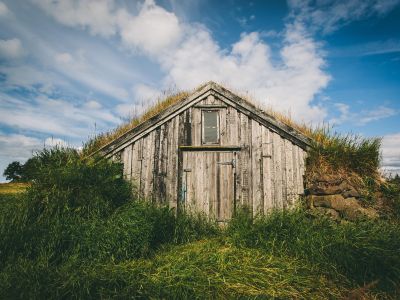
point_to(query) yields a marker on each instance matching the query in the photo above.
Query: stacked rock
(337, 199)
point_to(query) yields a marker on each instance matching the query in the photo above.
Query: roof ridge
(239, 102)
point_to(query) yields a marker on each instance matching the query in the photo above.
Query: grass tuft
(362, 252)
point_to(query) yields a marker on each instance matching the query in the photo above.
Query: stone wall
(338, 199)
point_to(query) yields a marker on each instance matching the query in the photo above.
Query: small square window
(210, 120)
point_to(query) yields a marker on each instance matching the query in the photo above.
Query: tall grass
(349, 152)
(208, 269)
(362, 252)
(82, 209)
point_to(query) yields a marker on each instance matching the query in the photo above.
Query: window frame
(205, 110)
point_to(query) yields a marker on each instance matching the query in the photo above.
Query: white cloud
(63, 58)
(189, 56)
(363, 117)
(27, 76)
(3, 9)
(19, 147)
(54, 116)
(249, 67)
(145, 92)
(391, 153)
(16, 147)
(153, 31)
(93, 104)
(55, 142)
(11, 49)
(379, 113)
(330, 15)
(95, 15)
(77, 67)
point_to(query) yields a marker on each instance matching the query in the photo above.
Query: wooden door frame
(234, 149)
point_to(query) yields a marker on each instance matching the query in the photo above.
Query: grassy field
(141, 251)
(78, 232)
(13, 187)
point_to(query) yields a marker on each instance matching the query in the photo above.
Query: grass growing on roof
(349, 152)
(99, 141)
(330, 151)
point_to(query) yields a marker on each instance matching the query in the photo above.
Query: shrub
(65, 183)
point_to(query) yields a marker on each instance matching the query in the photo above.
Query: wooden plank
(295, 161)
(226, 186)
(222, 128)
(163, 164)
(295, 174)
(302, 158)
(149, 171)
(277, 145)
(155, 193)
(256, 114)
(266, 170)
(210, 106)
(272, 168)
(142, 167)
(211, 188)
(290, 192)
(170, 167)
(283, 173)
(208, 148)
(256, 169)
(125, 157)
(196, 127)
(135, 168)
(188, 127)
(244, 161)
(233, 126)
(129, 163)
(174, 164)
(210, 99)
(187, 189)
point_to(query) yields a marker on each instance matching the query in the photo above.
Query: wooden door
(208, 183)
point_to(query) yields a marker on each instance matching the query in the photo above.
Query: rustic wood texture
(208, 184)
(267, 173)
(210, 94)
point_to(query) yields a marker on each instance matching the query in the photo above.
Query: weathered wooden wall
(269, 170)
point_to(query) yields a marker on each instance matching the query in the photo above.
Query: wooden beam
(210, 106)
(209, 148)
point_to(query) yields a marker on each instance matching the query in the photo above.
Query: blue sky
(71, 69)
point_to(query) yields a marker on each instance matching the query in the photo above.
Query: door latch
(228, 163)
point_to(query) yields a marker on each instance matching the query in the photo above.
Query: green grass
(361, 252)
(77, 233)
(206, 269)
(351, 153)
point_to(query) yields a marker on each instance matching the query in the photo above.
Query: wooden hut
(212, 152)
